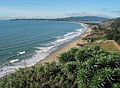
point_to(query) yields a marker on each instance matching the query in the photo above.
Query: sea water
(24, 43)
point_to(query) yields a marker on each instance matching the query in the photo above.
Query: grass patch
(108, 45)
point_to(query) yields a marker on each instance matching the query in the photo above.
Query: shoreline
(53, 56)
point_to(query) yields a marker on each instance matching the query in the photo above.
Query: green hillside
(112, 29)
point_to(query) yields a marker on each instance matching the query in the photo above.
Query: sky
(58, 8)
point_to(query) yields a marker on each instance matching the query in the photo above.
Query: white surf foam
(42, 52)
(20, 53)
(12, 61)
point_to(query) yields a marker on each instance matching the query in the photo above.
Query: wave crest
(42, 52)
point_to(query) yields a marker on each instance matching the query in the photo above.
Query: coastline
(53, 57)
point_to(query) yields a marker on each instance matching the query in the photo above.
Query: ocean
(24, 43)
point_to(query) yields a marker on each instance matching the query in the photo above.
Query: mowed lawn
(109, 45)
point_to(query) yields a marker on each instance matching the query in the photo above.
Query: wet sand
(54, 56)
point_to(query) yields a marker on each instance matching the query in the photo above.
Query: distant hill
(112, 29)
(85, 19)
(112, 23)
(78, 19)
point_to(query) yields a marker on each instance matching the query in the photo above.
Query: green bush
(100, 69)
(88, 67)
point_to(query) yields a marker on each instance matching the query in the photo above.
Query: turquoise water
(26, 42)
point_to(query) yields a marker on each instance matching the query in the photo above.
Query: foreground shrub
(99, 69)
(88, 67)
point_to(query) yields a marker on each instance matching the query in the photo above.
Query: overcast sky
(58, 8)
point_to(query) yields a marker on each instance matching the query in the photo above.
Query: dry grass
(108, 45)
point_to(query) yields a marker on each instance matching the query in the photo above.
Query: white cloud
(103, 9)
(117, 12)
(84, 14)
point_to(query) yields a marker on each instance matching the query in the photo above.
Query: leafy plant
(88, 67)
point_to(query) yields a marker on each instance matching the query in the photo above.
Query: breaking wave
(41, 52)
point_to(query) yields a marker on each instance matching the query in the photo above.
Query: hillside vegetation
(112, 29)
(89, 67)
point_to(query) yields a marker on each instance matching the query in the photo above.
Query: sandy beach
(53, 57)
